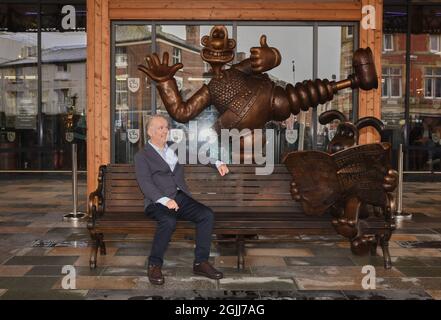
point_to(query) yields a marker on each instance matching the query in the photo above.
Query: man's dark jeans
(189, 210)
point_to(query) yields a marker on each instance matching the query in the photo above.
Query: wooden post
(370, 101)
(98, 89)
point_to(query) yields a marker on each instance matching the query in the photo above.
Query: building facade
(59, 59)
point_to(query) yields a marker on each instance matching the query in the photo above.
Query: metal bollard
(74, 215)
(400, 213)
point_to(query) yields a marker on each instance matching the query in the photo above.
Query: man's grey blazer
(155, 177)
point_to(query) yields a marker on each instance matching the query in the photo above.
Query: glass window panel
(385, 88)
(395, 87)
(18, 85)
(132, 89)
(428, 87)
(425, 109)
(19, 82)
(296, 66)
(183, 44)
(396, 71)
(394, 62)
(388, 42)
(63, 56)
(434, 43)
(438, 88)
(335, 51)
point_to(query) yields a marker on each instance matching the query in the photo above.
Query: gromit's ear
(370, 122)
(204, 41)
(231, 43)
(330, 115)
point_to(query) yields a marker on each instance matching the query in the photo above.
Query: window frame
(432, 78)
(176, 55)
(388, 77)
(438, 43)
(391, 42)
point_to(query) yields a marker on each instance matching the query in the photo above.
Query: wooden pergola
(100, 13)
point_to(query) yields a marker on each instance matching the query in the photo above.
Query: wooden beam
(98, 89)
(370, 101)
(348, 10)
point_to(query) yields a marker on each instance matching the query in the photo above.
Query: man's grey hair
(156, 116)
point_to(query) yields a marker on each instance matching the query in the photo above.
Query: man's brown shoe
(155, 274)
(207, 270)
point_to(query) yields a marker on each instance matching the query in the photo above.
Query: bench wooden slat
(244, 169)
(213, 176)
(230, 209)
(210, 197)
(201, 184)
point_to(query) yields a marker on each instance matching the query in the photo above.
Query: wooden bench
(244, 204)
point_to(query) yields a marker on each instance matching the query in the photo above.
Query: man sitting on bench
(167, 198)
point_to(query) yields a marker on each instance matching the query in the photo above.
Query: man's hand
(159, 71)
(223, 169)
(264, 58)
(171, 204)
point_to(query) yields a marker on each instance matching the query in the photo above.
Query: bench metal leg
(374, 246)
(384, 240)
(94, 251)
(240, 244)
(102, 245)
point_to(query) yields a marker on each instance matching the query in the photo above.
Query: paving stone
(330, 282)
(57, 271)
(27, 283)
(170, 294)
(420, 244)
(116, 272)
(396, 261)
(44, 295)
(13, 271)
(257, 283)
(37, 260)
(421, 271)
(387, 295)
(278, 252)
(231, 261)
(311, 271)
(319, 261)
(303, 295)
(435, 294)
(408, 283)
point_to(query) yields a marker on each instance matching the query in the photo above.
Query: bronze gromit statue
(243, 94)
(346, 180)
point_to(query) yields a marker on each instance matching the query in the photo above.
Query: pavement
(38, 250)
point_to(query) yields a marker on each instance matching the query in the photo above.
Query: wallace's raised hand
(158, 71)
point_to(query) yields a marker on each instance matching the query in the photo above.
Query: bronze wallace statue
(243, 94)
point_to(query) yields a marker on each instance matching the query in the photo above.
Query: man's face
(158, 131)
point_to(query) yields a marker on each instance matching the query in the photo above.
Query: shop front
(42, 85)
(51, 73)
